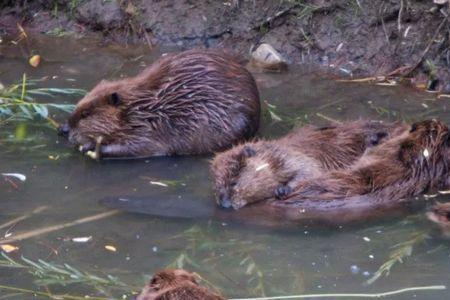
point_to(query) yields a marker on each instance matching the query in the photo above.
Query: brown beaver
(175, 285)
(259, 170)
(407, 165)
(193, 102)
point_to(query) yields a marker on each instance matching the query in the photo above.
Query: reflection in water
(240, 259)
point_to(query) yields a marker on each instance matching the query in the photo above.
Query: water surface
(240, 260)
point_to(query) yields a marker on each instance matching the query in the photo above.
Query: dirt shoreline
(405, 38)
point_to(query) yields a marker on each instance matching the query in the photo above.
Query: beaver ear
(414, 127)
(407, 152)
(114, 99)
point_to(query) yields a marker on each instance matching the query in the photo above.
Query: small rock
(354, 269)
(267, 58)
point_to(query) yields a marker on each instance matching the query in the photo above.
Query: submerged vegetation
(18, 101)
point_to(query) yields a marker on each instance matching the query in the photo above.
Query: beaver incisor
(412, 163)
(194, 102)
(175, 285)
(259, 170)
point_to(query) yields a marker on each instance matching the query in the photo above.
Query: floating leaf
(111, 248)
(9, 248)
(35, 60)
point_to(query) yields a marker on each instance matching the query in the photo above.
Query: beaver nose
(63, 129)
(224, 199)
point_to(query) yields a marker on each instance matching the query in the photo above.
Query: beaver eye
(84, 114)
(114, 99)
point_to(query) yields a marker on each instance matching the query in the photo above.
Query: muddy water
(240, 260)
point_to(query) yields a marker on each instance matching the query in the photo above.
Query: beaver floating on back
(404, 166)
(194, 102)
(176, 285)
(259, 170)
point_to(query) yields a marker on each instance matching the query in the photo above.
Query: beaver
(259, 170)
(412, 163)
(383, 179)
(194, 102)
(176, 284)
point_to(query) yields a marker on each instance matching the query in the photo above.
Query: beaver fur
(259, 170)
(193, 102)
(407, 165)
(175, 284)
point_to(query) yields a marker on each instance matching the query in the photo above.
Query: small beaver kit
(193, 102)
(176, 284)
(406, 164)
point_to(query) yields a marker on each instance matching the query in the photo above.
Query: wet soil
(407, 38)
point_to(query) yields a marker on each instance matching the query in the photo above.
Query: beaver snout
(224, 199)
(63, 130)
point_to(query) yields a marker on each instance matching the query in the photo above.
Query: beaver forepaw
(282, 191)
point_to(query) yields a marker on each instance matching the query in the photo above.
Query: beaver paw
(248, 151)
(282, 191)
(375, 138)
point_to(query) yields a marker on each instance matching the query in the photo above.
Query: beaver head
(165, 280)
(252, 172)
(426, 152)
(101, 113)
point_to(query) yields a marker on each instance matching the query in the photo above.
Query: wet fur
(404, 166)
(194, 102)
(260, 170)
(175, 285)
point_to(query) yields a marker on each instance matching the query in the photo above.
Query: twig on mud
(44, 230)
(399, 20)
(329, 119)
(267, 22)
(427, 48)
(23, 217)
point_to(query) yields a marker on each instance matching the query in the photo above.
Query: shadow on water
(237, 257)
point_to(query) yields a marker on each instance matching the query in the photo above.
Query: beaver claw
(282, 191)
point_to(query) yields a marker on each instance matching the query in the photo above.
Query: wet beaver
(193, 102)
(176, 285)
(412, 163)
(259, 170)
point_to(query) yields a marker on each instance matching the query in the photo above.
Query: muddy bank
(353, 37)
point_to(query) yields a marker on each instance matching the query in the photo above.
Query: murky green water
(242, 261)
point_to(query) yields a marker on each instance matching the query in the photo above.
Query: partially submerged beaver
(408, 165)
(194, 102)
(260, 170)
(176, 285)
